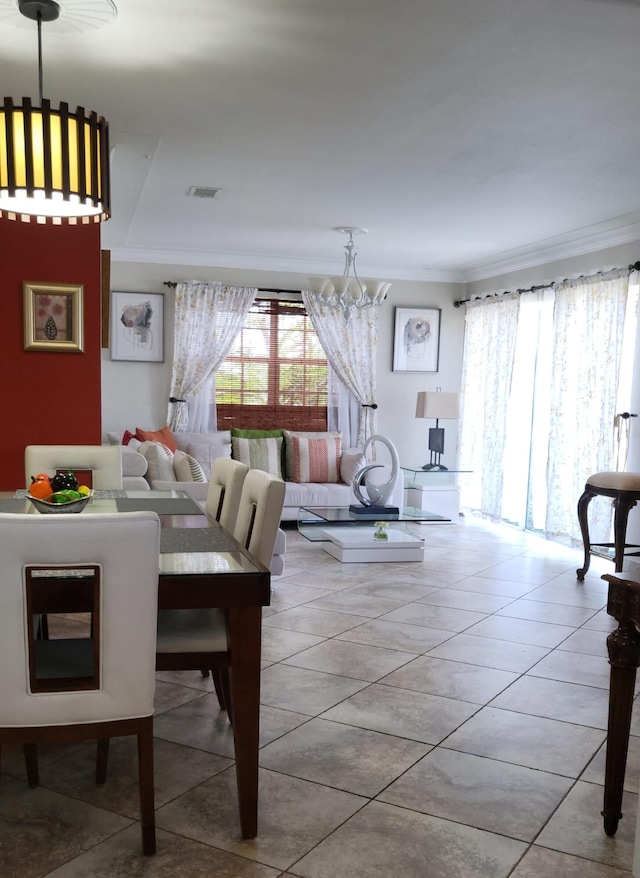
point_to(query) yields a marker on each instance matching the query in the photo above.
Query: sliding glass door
(555, 373)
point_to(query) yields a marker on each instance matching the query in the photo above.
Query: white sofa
(205, 447)
(134, 470)
(146, 468)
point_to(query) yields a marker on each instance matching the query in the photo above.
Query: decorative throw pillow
(219, 442)
(127, 436)
(289, 466)
(264, 454)
(316, 460)
(352, 461)
(205, 456)
(187, 468)
(165, 436)
(160, 462)
(241, 433)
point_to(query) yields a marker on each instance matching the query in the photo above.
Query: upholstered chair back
(120, 557)
(225, 488)
(104, 462)
(259, 514)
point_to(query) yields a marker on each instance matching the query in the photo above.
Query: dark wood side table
(623, 645)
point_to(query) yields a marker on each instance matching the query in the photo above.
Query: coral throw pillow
(164, 436)
(316, 460)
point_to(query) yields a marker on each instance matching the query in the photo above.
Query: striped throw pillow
(187, 468)
(316, 460)
(264, 454)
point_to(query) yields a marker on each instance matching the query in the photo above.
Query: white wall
(137, 394)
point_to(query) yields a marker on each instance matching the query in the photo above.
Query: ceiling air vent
(202, 192)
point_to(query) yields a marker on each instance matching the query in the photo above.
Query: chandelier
(54, 164)
(348, 293)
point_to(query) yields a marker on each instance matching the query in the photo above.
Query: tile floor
(443, 719)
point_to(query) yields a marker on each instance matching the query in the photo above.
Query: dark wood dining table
(201, 565)
(623, 645)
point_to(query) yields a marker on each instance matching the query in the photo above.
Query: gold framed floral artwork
(53, 317)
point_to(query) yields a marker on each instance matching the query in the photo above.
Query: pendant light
(349, 293)
(54, 164)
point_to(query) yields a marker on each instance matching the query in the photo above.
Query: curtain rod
(173, 284)
(551, 286)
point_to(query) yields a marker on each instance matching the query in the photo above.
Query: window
(276, 372)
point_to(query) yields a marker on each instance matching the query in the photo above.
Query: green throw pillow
(264, 453)
(255, 434)
(239, 433)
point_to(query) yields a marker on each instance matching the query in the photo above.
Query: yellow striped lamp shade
(54, 164)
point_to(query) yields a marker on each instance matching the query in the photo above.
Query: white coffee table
(357, 544)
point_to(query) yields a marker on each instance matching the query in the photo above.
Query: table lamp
(438, 405)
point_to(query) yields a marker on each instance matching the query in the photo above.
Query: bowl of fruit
(59, 493)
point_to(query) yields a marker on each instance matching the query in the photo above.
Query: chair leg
(145, 775)
(102, 758)
(583, 506)
(222, 685)
(31, 764)
(623, 505)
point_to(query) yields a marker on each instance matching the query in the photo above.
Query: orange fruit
(40, 486)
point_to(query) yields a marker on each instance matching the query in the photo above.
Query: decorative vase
(380, 532)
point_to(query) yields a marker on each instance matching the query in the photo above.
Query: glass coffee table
(350, 536)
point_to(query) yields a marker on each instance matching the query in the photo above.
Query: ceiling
(463, 134)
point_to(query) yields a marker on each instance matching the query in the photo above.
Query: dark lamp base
(435, 467)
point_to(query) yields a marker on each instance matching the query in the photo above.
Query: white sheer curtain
(351, 348)
(540, 391)
(343, 411)
(588, 329)
(489, 345)
(207, 319)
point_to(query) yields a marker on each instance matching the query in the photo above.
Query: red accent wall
(47, 398)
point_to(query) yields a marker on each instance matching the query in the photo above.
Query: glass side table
(435, 490)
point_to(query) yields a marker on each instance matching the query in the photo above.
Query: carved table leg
(624, 657)
(583, 505)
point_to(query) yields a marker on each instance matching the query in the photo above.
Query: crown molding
(621, 230)
(261, 262)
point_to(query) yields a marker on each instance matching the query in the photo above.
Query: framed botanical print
(137, 327)
(53, 317)
(416, 339)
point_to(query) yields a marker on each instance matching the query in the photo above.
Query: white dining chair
(103, 461)
(84, 688)
(225, 490)
(197, 639)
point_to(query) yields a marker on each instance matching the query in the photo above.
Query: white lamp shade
(341, 283)
(433, 404)
(319, 284)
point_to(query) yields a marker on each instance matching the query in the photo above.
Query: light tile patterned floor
(443, 719)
